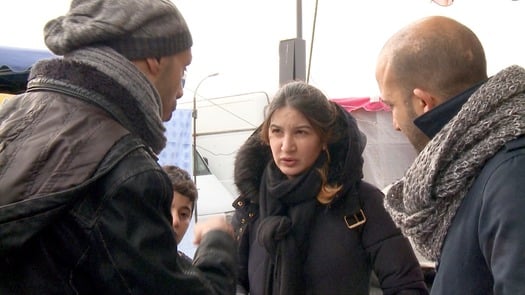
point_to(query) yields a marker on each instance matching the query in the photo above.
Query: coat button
(243, 220)
(240, 203)
(251, 214)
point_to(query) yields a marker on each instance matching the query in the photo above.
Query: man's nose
(394, 123)
(180, 93)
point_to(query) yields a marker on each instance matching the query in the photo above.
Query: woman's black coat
(339, 257)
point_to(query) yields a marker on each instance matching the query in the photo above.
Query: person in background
(183, 203)
(305, 221)
(84, 205)
(462, 199)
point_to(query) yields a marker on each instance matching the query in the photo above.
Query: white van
(213, 197)
(213, 200)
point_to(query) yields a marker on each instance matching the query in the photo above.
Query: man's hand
(213, 223)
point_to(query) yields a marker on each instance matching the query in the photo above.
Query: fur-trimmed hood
(346, 167)
(111, 82)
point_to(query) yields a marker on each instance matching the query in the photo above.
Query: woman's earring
(327, 154)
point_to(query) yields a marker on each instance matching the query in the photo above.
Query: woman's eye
(301, 132)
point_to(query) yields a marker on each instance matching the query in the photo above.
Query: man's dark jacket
(483, 251)
(84, 205)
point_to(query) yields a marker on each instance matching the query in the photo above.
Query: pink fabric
(355, 103)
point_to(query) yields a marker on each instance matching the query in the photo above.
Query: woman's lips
(288, 161)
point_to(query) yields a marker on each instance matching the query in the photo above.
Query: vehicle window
(201, 167)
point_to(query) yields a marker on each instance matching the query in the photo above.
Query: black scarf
(286, 208)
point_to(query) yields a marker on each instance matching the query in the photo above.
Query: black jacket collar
(434, 120)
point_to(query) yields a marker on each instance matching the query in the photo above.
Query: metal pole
(299, 19)
(194, 116)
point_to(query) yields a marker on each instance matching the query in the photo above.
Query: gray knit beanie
(134, 28)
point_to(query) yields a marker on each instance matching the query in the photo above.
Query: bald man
(462, 199)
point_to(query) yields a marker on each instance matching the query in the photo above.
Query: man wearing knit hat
(84, 206)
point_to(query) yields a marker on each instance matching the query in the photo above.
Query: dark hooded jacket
(84, 205)
(483, 250)
(335, 246)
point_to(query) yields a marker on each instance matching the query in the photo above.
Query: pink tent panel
(366, 103)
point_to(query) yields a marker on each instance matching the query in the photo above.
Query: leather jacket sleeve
(135, 245)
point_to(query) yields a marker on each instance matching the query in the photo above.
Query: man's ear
(425, 99)
(153, 66)
(150, 67)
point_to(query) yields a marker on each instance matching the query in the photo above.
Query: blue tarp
(20, 59)
(15, 64)
(179, 146)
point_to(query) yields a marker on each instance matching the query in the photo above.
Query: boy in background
(183, 203)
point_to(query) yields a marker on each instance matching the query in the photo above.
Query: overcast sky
(239, 39)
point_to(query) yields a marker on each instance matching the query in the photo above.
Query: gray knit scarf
(424, 202)
(125, 73)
